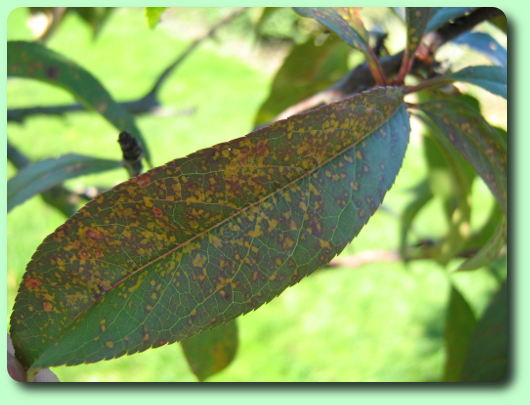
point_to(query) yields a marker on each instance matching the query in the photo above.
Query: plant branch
(144, 104)
(360, 78)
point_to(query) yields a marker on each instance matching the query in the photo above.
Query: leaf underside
(34, 61)
(203, 239)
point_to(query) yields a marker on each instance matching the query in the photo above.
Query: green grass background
(377, 322)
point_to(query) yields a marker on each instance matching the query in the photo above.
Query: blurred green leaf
(33, 61)
(460, 324)
(153, 15)
(211, 351)
(417, 19)
(442, 15)
(422, 194)
(331, 18)
(491, 249)
(501, 22)
(487, 359)
(44, 174)
(94, 17)
(482, 145)
(491, 78)
(307, 69)
(486, 44)
(450, 178)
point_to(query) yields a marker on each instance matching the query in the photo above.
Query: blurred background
(381, 320)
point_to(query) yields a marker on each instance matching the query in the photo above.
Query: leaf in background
(94, 17)
(201, 240)
(501, 22)
(307, 69)
(486, 44)
(487, 358)
(153, 15)
(331, 18)
(40, 176)
(353, 16)
(442, 15)
(460, 324)
(450, 178)
(481, 145)
(33, 61)
(491, 249)
(211, 351)
(422, 195)
(417, 19)
(491, 78)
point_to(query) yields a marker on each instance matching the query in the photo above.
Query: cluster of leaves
(177, 253)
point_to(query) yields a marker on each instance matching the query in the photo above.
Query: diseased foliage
(179, 252)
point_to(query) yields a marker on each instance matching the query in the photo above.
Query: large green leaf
(201, 240)
(212, 350)
(491, 78)
(460, 324)
(487, 359)
(482, 145)
(307, 69)
(40, 176)
(34, 61)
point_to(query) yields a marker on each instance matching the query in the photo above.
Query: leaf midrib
(225, 220)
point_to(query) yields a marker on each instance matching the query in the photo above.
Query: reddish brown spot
(93, 234)
(97, 253)
(52, 72)
(47, 306)
(143, 180)
(32, 283)
(84, 254)
(157, 212)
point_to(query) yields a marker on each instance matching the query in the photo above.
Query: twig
(360, 78)
(144, 104)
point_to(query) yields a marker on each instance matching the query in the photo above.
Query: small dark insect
(132, 153)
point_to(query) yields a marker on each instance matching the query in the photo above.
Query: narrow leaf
(201, 240)
(450, 178)
(491, 78)
(307, 69)
(486, 44)
(442, 15)
(153, 15)
(42, 175)
(460, 324)
(491, 249)
(211, 351)
(331, 18)
(417, 19)
(422, 195)
(34, 61)
(487, 359)
(481, 145)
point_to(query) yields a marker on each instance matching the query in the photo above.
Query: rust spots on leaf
(142, 180)
(93, 234)
(47, 306)
(52, 72)
(32, 283)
